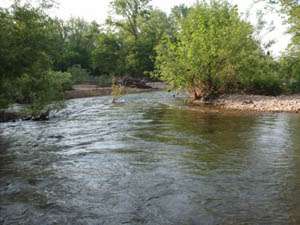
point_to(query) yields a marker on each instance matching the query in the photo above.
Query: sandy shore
(257, 103)
(84, 91)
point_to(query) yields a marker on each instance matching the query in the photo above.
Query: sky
(98, 10)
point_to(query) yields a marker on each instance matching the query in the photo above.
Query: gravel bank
(258, 103)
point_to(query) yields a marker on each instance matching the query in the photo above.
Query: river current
(150, 160)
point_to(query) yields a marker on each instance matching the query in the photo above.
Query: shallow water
(153, 161)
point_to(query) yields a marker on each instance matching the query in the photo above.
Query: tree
(153, 28)
(294, 19)
(140, 29)
(178, 14)
(213, 51)
(26, 44)
(290, 62)
(107, 57)
(80, 38)
(131, 11)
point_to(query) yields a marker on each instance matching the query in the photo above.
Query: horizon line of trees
(207, 49)
(41, 56)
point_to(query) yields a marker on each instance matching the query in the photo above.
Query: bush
(7, 89)
(261, 75)
(212, 52)
(78, 74)
(104, 80)
(266, 84)
(39, 92)
(290, 68)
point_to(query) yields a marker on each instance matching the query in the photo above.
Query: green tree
(107, 57)
(80, 38)
(291, 8)
(131, 11)
(133, 14)
(294, 19)
(213, 52)
(140, 29)
(27, 47)
(177, 15)
(290, 62)
(153, 28)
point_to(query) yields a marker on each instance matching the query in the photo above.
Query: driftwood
(133, 83)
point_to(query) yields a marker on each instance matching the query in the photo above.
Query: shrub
(290, 68)
(208, 48)
(39, 92)
(261, 75)
(214, 53)
(104, 81)
(266, 84)
(78, 74)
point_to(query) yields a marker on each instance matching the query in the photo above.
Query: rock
(9, 116)
(248, 102)
(56, 136)
(44, 116)
(260, 103)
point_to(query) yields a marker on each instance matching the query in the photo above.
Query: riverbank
(15, 113)
(257, 103)
(236, 102)
(85, 91)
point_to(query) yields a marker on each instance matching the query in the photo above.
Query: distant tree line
(207, 49)
(41, 56)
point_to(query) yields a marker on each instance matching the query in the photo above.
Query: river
(151, 160)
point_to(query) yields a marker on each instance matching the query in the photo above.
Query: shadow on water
(150, 161)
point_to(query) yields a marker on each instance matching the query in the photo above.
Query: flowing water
(151, 160)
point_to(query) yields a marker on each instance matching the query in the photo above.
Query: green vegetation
(292, 61)
(117, 90)
(27, 49)
(215, 52)
(41, 57)
(78, 74)
(207, 49)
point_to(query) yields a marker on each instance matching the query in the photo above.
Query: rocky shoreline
(256, 103)
(235, 102)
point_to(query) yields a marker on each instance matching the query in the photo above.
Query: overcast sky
(98, 10)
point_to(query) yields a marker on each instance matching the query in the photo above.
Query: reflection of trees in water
(294, 124)
(210, 140)
(4, 158)
(3, 144)
(264, 150)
